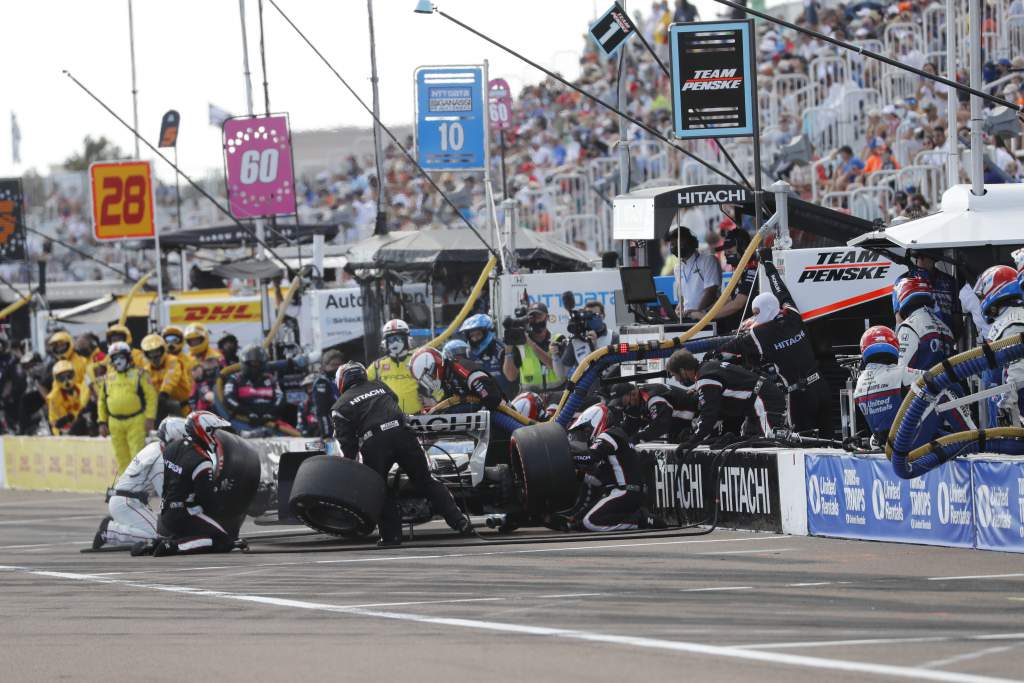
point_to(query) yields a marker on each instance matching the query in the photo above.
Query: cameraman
(528, 356)
(588, 332)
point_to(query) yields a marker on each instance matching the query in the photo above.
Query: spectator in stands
(848, 169)
(881, 160)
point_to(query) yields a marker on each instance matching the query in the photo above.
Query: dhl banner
(239, 316)
(81, 464)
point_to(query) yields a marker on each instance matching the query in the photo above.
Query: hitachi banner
(823, 281)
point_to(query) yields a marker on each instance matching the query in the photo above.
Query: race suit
(132, 520)
(665, 413)
(491, 360)
(65, 410)
(325, 394)
(174, 383)
(613, 477)
(126, 400)
(396, 374)
(1009, 323)
(924, 339)
(729, 390)
(367, 420)
(255, 400)
(879, 392)
(189, 500)
(466, 379)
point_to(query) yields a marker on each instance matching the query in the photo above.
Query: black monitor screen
(638, 285)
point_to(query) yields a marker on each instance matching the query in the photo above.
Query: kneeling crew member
(191, 468)
(131, 520)
(729, 390)
(612, 474)
(368, 420)
(655, 411)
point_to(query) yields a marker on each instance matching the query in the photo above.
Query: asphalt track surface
(729, 606)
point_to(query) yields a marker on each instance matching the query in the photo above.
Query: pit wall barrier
(81, 464)
(974, 502)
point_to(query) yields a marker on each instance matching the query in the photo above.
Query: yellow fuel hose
(17, 305)
(125, 307)
(597, 354)
(503, 408)
(437, 341)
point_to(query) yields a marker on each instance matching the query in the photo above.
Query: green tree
(100, 149)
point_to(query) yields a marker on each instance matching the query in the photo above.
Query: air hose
(909, 462)
(590, 367)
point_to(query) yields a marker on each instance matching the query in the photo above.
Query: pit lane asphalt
(724, 607)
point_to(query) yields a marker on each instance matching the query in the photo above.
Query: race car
(517, 486)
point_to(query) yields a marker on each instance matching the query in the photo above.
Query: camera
(580, 322)
(515, 327)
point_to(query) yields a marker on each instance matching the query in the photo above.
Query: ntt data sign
(713, 79)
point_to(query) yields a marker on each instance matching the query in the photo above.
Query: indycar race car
(512, 487)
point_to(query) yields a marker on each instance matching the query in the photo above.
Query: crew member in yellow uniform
(61, 347)
(66, 402)
(173, 383)
(127, 404)
(197, 337)
(121, 333)
(393, 368)
(175, 338)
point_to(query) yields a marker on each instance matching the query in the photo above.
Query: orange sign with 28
(122, 200)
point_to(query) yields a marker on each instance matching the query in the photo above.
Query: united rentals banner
(999, 500)
(713, 79)
(12, 217)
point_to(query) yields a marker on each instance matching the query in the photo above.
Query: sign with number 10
(258, 163)
(122, 200)
(451, 118)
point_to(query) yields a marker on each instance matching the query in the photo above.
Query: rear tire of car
(543, 468)
(337, 496)
(239, 477)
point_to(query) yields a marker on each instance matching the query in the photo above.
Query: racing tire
(337, 496)
(543, 468)
(239, 476)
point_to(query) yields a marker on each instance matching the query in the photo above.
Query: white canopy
(966, 220)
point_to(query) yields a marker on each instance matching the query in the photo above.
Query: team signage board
(823, 281)
(851, 497)
(122, 200)
(547, 288)
(334, 316)
(999, 501)
(169, 129)
(12, 220)
(612, 30)
(237, 315)
(499, 103)
(713, 79)
(451, 118)
(258, 166)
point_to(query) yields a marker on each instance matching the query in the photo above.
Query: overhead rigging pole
(378, 153)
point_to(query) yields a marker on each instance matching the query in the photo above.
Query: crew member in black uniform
(253, 394)
(734, 244)
(191, 468)
(452, 372)
(728, 390)
(325, 393)
(779, 338)
(655, 411)
(368, 420)
(612, 492)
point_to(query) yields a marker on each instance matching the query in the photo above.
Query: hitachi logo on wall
(744, 489)
(713, 79)
(736, 196)
(687, 490)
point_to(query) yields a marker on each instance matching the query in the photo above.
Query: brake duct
(909, 462)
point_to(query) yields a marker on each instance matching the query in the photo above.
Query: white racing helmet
(427, 367)
(395, 336)
(592, 422)
(171, 429)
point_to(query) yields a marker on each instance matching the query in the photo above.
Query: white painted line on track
(980, 576)
(808, 584)
(935, 663)
(914, 673)
(424, 602)
(568, 595)
(746, 552)
(715, 588)
(880, 641)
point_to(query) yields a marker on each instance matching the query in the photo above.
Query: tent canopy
(425, 249)
(965, 220)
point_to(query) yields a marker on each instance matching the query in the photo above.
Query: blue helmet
(909, 290)
(480, 321)
(997, 285)
(456, 348)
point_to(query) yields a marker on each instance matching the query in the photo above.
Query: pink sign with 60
(258, 159)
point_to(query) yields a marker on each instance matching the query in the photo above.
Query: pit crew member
(67, 402)
(451, 371)
(253, 394)
(127, 404)
(325, 393)
(654, 411)
(1001, 305)
(197, 338)
(368, 421)
(393, 367)
(924, 339)
(171, 380)
(486, 349)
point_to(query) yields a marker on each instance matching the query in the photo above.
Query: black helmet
(349, 375)
(253, 359)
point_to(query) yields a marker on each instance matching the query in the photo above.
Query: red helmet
(878, 340)
(200, 427)
(427, 367)
(910, 289)
(996, 285)
(529, 405)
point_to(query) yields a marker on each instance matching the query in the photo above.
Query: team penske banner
(823, 281)
(713, 79)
